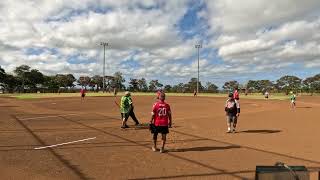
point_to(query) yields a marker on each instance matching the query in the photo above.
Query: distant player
(126, 109)
(293, 99)
(236, 93)
(83, 94)
(232, 109)
(161, 120)
(115, 92)
(266, 95)
(194, 93)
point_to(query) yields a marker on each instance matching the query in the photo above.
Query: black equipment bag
(282, 171)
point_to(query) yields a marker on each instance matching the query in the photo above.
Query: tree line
(285, 84)
(25, 79)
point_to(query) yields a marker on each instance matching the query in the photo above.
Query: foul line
(73, 168)
(71, 142)
(43, 117)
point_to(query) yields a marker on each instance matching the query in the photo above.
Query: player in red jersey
(82, 93)
(160, 122)
(236, 94)
(232, 109)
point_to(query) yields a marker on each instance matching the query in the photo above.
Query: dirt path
(269, 131)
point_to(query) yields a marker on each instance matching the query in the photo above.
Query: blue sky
(155, 39)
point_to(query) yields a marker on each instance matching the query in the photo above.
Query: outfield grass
(278, 96)
(51, 95)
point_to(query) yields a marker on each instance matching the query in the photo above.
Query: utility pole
(198, 46)
(104, 44)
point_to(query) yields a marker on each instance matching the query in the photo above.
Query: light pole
(198, 46)
(104, 44)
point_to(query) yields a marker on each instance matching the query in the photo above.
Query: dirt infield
(198, 145)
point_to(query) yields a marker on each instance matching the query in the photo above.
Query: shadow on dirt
(214, 175)
(205, 148)
(145, 127)
(261, 131)
(8, 106)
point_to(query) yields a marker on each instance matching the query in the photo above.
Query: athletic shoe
(162, 150)
(154, 149)
(125, 126)
(234, 130)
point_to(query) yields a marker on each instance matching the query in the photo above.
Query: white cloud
(263, 36)
(223, 40)
(313, 64)
(75, 28)
(249, 36)
(245, 47)
(307, 51)
(294, 41)
(248, 15)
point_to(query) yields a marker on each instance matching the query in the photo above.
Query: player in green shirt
(126, 109)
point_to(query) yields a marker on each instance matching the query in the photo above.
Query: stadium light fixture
(104, 44)
(198, 46)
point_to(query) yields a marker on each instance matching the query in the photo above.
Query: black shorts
(159, 129)
(124, 116)
(83, 95)
(232, 118)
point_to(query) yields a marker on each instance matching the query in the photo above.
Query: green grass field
(277, 96)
